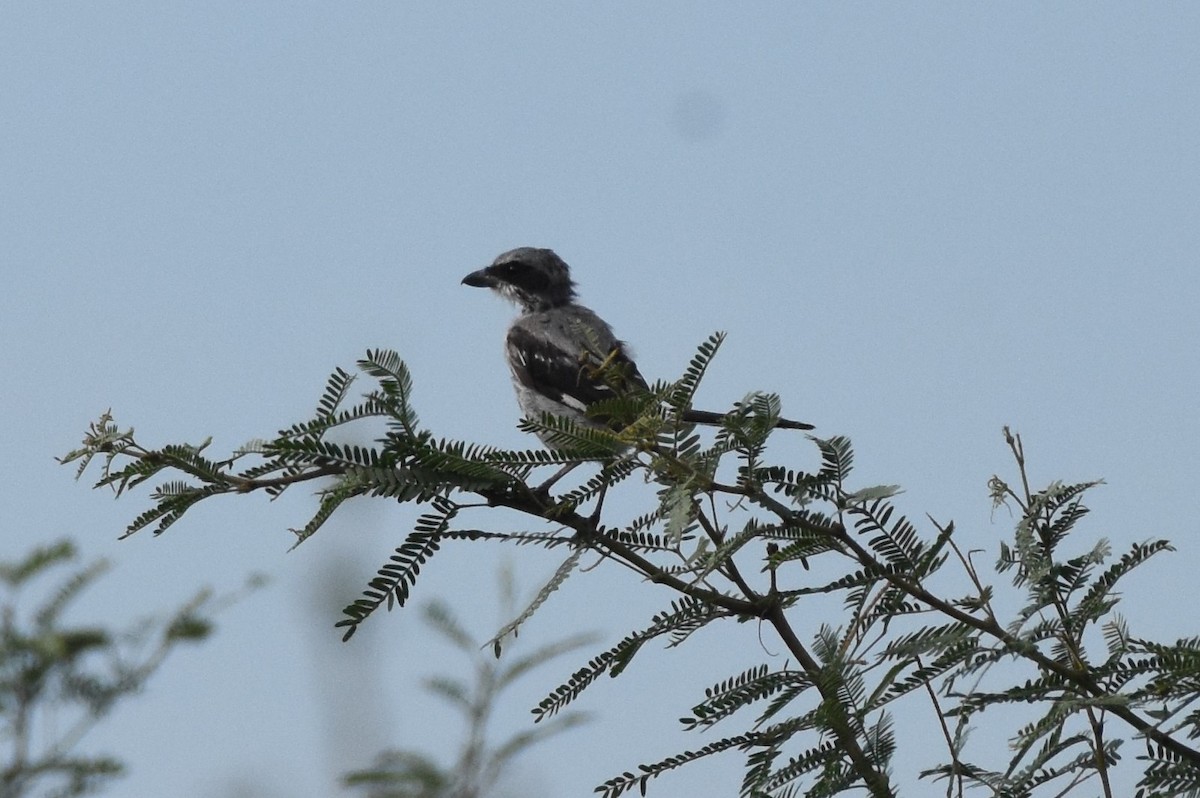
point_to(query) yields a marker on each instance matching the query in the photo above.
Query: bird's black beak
(480, 279)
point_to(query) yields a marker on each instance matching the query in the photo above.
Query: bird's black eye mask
(521, 275)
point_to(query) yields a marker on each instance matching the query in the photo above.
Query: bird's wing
(560, 366)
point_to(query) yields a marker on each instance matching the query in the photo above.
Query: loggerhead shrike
(554, 340)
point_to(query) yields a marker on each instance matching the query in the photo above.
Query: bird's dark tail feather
(708, 417)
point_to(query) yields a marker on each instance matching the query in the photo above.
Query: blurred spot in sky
(698, 115)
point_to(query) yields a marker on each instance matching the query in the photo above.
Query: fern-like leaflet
(395, 578)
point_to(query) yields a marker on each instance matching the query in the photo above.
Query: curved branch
(767, 608)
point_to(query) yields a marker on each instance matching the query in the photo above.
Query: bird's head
(536, 279)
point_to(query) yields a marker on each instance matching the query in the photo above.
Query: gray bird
(555, 346)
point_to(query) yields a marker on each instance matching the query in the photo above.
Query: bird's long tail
(715, 419)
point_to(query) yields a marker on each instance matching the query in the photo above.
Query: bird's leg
(594, 518)
(544, 488)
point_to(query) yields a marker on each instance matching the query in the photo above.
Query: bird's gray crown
(534, 278)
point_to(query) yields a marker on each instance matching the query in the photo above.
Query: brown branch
(732, 571)
(989, 626)
(941, 717)
(768, 608)
(1076, 676)
(247, 485)
(875, 780)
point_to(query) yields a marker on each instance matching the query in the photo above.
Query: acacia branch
(767, 608)
(989, 626)
(1081, 678)
(875, 780)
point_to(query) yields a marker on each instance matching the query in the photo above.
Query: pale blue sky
(916, 222)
